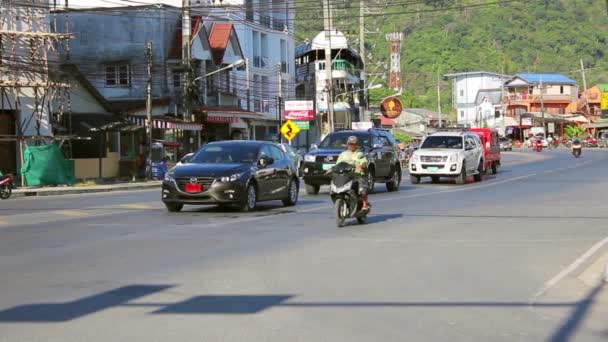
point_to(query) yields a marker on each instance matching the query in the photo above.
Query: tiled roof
(219, 40)
(176, 48)
(546, 78)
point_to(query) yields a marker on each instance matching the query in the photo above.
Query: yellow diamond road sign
(290, 130)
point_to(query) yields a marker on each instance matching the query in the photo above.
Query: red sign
(222, 119)
(299, 110)
(194, 188)
(391, 107)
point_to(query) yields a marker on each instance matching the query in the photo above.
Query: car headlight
(231, 178)
(453, 158)
(309, 158)
(415, 157)
(169, 176)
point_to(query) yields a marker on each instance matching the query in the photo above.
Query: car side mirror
(264, 161)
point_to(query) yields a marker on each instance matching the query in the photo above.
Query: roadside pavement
(70, 190)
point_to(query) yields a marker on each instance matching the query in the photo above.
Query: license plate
(327, 166)
(433, 169)
(194, 188)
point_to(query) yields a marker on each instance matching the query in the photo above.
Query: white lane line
(571, 268)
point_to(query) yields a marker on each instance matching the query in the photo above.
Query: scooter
(577, 149)
(344, 192)
(6, 187)
(538, 145)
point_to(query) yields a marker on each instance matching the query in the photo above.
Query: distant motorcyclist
(576, 147)
(358, 159)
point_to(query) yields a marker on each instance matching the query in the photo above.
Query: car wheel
(414, 179)
(462, 177)
(312, 189)
(251, 199)
(480, 171)
(435, 179)
(494, 168)
(371, 180)
(393, 184)
(174, 207)
(292, 194)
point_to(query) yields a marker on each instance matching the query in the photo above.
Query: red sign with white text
(299, 110)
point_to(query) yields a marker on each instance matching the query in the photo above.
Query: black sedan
(232, 173)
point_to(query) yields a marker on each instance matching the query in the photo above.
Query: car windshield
(443, 142)
(505, 140)
(338, 140)
(227, 154)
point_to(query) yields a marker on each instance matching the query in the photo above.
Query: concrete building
(465, 88)
(312, 83)
(489, 108)
(526, 93)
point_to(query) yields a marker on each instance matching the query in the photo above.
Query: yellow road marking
(3, 223)
(73, 213)
(137, 206)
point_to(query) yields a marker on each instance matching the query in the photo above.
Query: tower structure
(395, 44)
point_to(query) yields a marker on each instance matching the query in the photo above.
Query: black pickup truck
(380, 147)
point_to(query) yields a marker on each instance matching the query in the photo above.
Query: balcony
(278, 24)
(536, 98)
(265, 20)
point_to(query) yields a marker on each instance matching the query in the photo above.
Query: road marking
(72, 213)
(568, 270)
(137, 206)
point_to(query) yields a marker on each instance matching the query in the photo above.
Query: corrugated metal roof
(546, 78)
(218, 40)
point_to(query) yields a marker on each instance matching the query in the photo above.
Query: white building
(465, 88)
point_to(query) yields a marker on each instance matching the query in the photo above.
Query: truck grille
(204, 181)
(433, 159)
(326, 159)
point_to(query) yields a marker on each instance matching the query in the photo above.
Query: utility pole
(328, 60)
(585, 86)
(186, 65)
(362, 53)
(439, 99)
(280, 100)
(248, 84)
(542, 106)
(149, 109)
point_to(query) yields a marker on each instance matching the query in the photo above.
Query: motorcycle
(344, 192)
(6, 187)
(538, 145)
(577, 149)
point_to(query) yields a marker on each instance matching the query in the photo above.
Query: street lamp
(229, 66)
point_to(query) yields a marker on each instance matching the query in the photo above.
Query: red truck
(491, 148)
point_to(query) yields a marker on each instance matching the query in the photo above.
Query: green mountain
(446, 36)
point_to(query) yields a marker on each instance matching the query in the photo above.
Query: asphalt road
(519, 256)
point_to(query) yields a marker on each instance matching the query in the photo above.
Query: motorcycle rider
(358, 159)
(576, 144)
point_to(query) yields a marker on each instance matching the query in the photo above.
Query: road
(518, 256)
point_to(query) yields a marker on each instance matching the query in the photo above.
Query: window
(276, 153)
(284, 65)
(118, 76)
(249, 10)
(264, 50)
(321, 65)
(561, 89)
(461, 92)
(462, 114)
(177, 79)
(257, 60)
(437, 141)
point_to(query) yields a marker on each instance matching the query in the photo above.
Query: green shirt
(356, 158)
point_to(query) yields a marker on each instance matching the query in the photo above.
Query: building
(533, 92)
(427, 118)
(266, 37)
(29, 79)
(311, 80)
(488, 105)
(465, 90)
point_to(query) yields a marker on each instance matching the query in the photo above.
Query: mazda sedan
(232, 173)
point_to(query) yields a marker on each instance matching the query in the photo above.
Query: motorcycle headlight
(231, 178)
(453, 158)
(169, 176)
(309, 158)
(346, 187)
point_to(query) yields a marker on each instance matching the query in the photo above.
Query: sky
(114, 3)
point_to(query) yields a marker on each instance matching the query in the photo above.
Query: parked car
(506, 144)
(379, 146)
(232, 173)
(491, 148)
(448, 154)
(297, 158)
(603, 139)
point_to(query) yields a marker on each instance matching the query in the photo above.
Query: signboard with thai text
(299, 110)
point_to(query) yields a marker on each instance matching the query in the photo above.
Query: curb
(84, 190)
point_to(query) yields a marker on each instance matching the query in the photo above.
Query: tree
(574, 132)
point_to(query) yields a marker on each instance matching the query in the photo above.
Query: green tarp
(46, 165)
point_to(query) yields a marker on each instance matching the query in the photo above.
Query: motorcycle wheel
(5, 192)
(341, 212)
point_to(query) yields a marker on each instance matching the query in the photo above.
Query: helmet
(352, 140)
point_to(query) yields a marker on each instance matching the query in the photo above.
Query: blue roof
(546, 78)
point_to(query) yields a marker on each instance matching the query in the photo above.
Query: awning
(166, 123)
(87, 123)
(577, 118)
(598, 125)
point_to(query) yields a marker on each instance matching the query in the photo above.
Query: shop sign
(299, 110)
(222, 119)
(303, 125)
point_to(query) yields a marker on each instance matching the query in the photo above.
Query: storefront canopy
(166, 123)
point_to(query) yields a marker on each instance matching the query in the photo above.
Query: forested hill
(464, 35)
